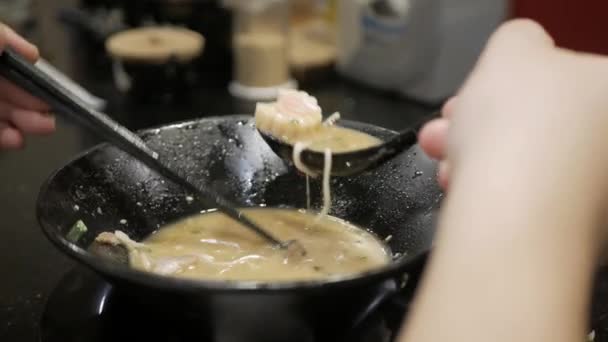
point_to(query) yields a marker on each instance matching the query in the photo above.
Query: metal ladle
(14, 68)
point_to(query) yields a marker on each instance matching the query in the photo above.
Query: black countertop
(31, 266)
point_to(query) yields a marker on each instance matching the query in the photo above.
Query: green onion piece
(78, 229)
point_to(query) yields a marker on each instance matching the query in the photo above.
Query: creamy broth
(213, 246)
(337, 139)
(297, 118)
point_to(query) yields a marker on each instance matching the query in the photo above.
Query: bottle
(260, 43)
(312, 52)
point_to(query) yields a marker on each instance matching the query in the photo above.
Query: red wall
(576, 24)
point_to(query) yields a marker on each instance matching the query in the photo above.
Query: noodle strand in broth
(297, 160)
(307, 192)
(326, 185)
(212, 246)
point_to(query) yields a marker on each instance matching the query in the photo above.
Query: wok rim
(112, 270)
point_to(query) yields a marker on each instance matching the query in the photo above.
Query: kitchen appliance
(422, 49)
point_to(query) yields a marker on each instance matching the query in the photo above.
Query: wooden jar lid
(156, 44)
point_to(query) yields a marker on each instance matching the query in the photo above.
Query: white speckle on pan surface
(189, 199)
(99, 211)
(76, 207)
(123, 221)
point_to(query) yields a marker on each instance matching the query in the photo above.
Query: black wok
(107, 190)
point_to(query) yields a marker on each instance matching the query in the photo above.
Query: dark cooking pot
(105, 187)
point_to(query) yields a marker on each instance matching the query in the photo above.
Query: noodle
(297, 151)
(127, 242)
(308, 192)
(145, 261)
(297, 160)
(332, 119)
(326, 185)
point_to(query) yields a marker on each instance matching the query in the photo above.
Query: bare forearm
(513, 262)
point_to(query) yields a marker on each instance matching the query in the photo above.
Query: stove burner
(83, 307)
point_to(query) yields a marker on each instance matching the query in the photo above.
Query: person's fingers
(514, 43)
(31, 122)
(15, 95)
(27, 121)
(448, 107)
(517, 32)
(8, 37)
(443, 176)
(10, 137)
(8, 91)
(433, 138)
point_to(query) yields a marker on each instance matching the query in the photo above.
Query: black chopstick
(63, 102)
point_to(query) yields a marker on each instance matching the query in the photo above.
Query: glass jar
(260, 42)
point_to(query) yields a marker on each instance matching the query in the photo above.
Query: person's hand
(433, 139)
(527, 101)
(523, 144)
(20, 112)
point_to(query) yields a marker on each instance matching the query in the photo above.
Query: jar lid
(259, 93)
(156, 44)
(252, 6)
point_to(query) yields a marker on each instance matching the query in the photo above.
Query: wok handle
(409, 136)
(391, 300)
(416, 127)
(388, 291)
